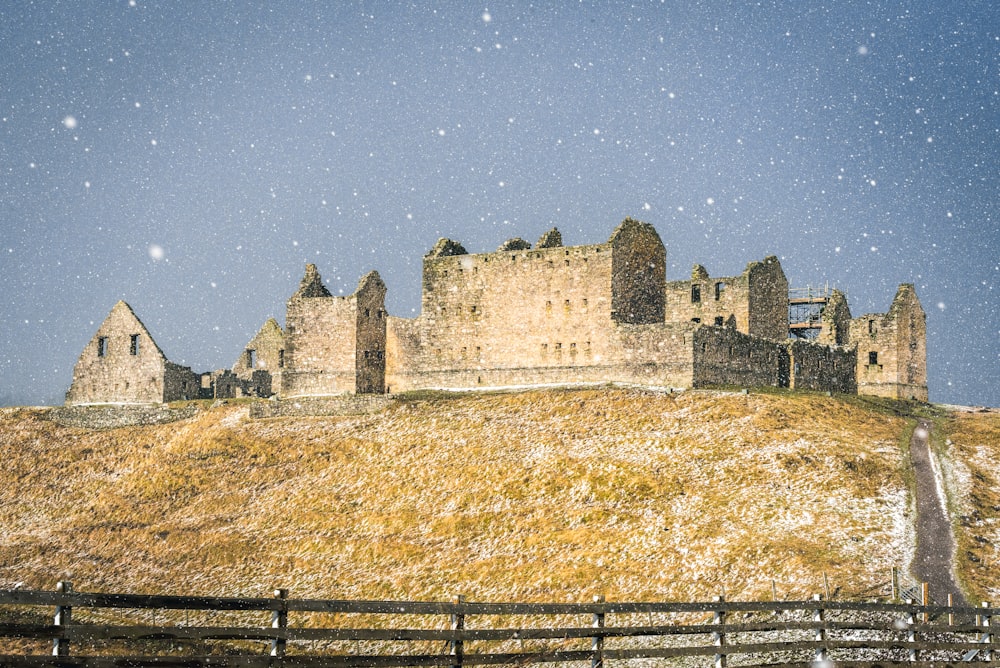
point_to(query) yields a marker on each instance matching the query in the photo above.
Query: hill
(539, 495)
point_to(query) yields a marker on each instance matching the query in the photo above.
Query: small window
(472, 309)
(873, 358)
(695, 294)
(102, 346)
(281, 359)
(871, 326)
(133, 346)
(251, 358)
(719, 320)
(696, 320)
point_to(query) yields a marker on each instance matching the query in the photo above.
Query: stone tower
(892, 349)
(334, 345)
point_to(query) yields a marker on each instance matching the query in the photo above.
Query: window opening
(281, 359)
(102, 346)
(873, 358)
(720, 287)
(718, 321)
(133, 346)
(695, 294)
(251, 358)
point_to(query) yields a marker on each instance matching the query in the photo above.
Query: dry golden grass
(971, 449)
(541, 495)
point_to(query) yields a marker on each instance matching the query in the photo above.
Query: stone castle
(536, 316)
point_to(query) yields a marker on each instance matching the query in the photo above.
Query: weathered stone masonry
(548, 315)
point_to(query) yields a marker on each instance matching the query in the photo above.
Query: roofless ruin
(537, 316)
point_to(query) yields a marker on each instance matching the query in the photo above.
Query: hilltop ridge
(536, 495)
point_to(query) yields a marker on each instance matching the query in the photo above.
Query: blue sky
(191, 157)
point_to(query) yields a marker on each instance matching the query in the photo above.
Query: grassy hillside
(969, 446)
(544, 495)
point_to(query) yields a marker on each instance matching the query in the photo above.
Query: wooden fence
(98, 630)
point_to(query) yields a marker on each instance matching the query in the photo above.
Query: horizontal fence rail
(69, 628)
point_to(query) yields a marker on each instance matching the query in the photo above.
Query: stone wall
(768, 299)
(892, 349)
(180, 383)
(506, 317)
(835, 321)
(320, 340)
(114, 417)
(819, 367)
(370, 335)
(725, 356)
(264, 355)
(755, 302)
(120, 364)
(638, 274)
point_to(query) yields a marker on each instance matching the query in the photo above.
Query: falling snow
(857, 141)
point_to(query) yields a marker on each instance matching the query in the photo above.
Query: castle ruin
(528, 316)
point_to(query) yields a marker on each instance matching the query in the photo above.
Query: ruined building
(122, 364)
(536, 316)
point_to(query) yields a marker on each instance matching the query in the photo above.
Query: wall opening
(133, 346)
(281, 358)
(251, 358)
(102, 346)
(873, 358)
(719, 320)
(695, 294)
(720, 287)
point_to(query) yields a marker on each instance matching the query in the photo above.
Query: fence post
(63, 617)
(719, 617)
(987, 636)
(925, 599)
(820, 632)
(911, 634)
(279, 620)
(457, 625)
(597, 642)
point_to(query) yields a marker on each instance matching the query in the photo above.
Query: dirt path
(932, 562)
